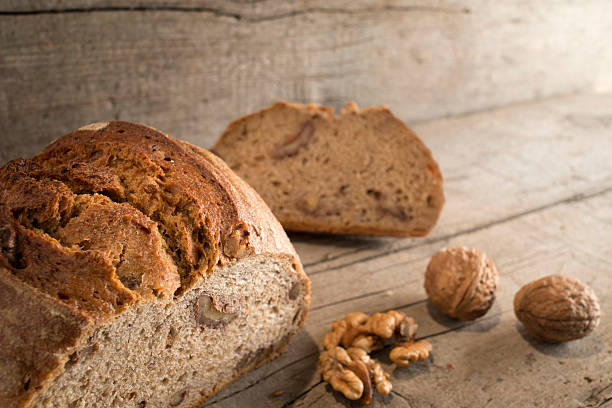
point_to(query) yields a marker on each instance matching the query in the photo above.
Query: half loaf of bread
(137, 271)
(361, 172)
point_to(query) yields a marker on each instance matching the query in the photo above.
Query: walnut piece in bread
(137, 270)
(360, 172)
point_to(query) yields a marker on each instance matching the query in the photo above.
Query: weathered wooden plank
(501, 367)
(507, 369)
(387, 270)
(321, 396)
(293, 380)
(189, 72)
(244, 8)
(274, 388)
(496, 165)
(572, 238)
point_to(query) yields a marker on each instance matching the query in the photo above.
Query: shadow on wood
(277, 383)
(481, 325)
(585, 347)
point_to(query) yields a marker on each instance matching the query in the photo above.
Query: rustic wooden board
(557, 240)
(546, 208)
(189, 67)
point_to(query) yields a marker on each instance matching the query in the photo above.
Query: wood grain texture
(189, 67)
(545, 209)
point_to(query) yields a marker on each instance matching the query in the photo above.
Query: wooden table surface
(531, 186)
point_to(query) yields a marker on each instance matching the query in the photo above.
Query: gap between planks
(240, 17)
(578, 197)
(293, 401)
(265, 377)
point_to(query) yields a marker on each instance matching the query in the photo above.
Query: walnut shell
(461, 282)
(557, 308)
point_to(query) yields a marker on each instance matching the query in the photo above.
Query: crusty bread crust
(347, 174)
(249, 208)
(192, 212)
(199, 178)
(38, 332)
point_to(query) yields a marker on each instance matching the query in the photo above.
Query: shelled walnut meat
(557, 308)
(461, 282)
(346, 365)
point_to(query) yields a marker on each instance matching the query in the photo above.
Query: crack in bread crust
(155, 176)
(49, 231)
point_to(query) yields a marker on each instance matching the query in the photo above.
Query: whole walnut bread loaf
(137, 271)
(361, 172)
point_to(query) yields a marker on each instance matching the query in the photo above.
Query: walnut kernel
(311, 202)
(235, 245)
(557, 308)
(380, 378)
(461, 282)
(407, 353)
(178, 398)
(333, 365)
(210, 313)
(350, 341)
(293, 145)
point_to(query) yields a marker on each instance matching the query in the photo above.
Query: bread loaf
(361, 172)
(137, 271)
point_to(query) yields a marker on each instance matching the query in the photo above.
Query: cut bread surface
(170, 355)
(152, 275)
(360, 172)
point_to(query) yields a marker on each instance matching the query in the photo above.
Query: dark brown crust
(116, 159)
(37, 333)
(164, 182)
(83, 279)
(266, 235)
(187, 172)
(402, 228)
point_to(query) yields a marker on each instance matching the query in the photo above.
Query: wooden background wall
(188, 67)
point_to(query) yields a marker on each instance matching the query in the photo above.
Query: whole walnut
(557, 308)
(461, 282)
